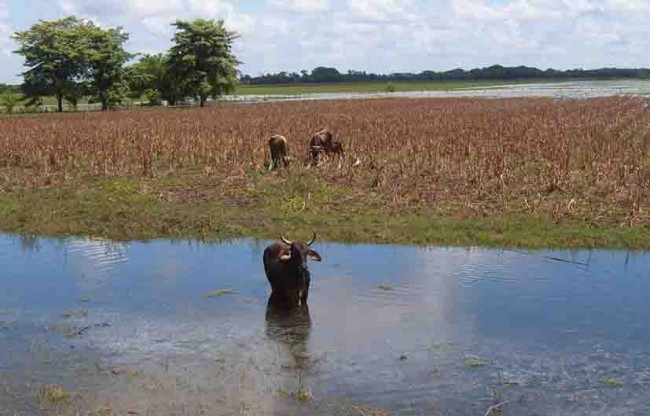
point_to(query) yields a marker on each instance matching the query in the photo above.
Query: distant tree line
(495, 72)
(9, 88)
(71, 59)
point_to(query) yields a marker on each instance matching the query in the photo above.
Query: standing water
(182, 328)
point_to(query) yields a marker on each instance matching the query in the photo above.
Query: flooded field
(559, 90)
(182, 328)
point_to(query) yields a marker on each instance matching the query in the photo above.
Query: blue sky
(373, 35)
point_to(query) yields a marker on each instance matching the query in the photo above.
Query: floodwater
(412, 331)
(557, 90)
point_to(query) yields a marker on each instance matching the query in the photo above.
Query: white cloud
(382, 10)
(6, 44)
(301, 6)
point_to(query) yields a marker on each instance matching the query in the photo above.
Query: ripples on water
(446, 331)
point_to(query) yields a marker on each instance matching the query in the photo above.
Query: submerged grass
(612, 382)
(52, 393)
(516, 172)
(220, 292)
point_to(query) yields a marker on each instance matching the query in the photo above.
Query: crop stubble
(585, 160)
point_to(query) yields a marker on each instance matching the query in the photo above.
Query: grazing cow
(322, 143)
(285, 265)
(279, 151)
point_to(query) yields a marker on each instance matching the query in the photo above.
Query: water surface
(435, 331)
(557, 90)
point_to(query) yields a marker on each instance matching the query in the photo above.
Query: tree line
(71, 58)
(495, 72)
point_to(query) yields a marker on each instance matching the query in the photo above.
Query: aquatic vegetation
(475, 362)
(220, 292)
(612, 382)
(304, 395)
(52, 393)
(75, 313)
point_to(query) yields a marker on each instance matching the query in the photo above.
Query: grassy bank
(130, 208)
(516, 172)
(369, 87)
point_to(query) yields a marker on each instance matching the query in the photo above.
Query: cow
(322, 143)
(279, 151)
(285, 265)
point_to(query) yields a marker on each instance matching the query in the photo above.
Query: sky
(373, 35)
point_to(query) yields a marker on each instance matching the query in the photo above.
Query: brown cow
(285, 265)
(279, 151)
(322, 144)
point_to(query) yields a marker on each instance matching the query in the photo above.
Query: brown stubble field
(580, 162)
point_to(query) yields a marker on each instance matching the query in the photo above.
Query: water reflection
(290, 328)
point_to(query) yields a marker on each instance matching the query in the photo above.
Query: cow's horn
(284, 240)
(312, 240)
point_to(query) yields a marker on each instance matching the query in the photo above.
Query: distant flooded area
(559, 90)
(182, 328)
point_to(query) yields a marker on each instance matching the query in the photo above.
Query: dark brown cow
(322, 144)
(279, 151)
(285, 265)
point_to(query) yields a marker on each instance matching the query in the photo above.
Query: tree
(54, 55)
(202, 58)
(324, 74)
(9, 100)
(151, 76)
(105, 58)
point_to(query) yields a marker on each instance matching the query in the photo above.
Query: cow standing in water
(279, 151)
(285, 265)
(323, 144)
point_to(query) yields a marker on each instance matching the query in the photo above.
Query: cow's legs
(305, 290)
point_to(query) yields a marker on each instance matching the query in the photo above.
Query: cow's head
(316, 154)
(297, 254)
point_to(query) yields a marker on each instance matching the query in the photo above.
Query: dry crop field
(580, 162)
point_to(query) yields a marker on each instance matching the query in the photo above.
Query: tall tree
(152, 76)
(105, 57)
(54, 58)
(202, 57)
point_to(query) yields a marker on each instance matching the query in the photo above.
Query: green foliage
(105, 58)
(53, 53)
(202, 58)
(390, 87)
(151, 76)
(9, 88)
(69, 57)
(75, 93)
(495, 72)
(9, 100)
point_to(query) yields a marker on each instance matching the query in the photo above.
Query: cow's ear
(285, 255)
(313, 255)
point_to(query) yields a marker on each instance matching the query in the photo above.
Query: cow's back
(278, 145)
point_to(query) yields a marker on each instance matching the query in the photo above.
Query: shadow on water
(290, 328)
